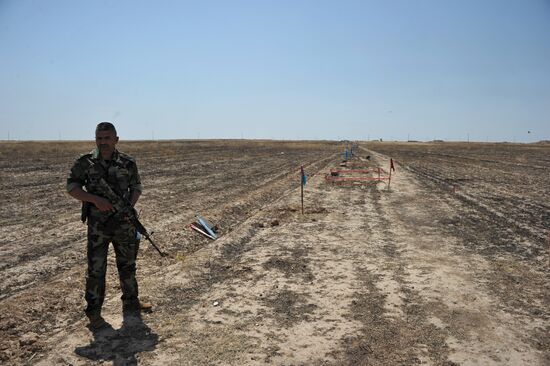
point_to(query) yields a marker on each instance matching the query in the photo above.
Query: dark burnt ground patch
(293, 213)
(486, 232)
(541, 342)
(53, 308)
(382, 225)
(176, 299)
(289, 307)
(293, 262)
(521, 287)
(386, 340)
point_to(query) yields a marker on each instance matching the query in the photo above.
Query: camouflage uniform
(121, 174)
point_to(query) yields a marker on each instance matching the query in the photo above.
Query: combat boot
(140, 305)
(96, 321)
(131, 307)
(145, 306)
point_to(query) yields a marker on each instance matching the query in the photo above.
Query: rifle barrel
(148, 237)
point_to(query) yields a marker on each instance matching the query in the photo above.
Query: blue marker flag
(304, 176)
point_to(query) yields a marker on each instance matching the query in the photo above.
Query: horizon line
(544, 141)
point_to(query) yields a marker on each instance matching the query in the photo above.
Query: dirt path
(366, 276)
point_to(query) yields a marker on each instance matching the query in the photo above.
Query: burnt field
(448, 267)
(41, 232)
(508, 183)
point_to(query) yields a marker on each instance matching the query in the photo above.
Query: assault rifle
(125, 209)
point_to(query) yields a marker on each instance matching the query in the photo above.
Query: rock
(28, 339)
(275, 222)
(6, 355)
(216, 303)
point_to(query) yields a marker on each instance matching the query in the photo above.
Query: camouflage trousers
(123, 237)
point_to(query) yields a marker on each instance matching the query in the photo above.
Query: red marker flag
(391, 165)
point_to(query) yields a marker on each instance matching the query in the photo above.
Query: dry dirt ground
(447, 267)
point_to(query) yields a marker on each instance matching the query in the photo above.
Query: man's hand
(103, 204)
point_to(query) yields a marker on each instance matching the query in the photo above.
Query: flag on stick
(391, 168)
(303, 175)
(303, 183)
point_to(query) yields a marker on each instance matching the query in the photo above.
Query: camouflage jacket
(121, 173)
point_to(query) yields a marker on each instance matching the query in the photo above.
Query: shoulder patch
(85, 156)
(126, 157)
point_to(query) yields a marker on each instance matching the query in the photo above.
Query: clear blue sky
(276, 69)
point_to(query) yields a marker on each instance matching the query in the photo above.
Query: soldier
(104, 224)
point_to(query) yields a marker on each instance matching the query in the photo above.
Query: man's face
(106, 141)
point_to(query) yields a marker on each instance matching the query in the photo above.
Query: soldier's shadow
(120, 345)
